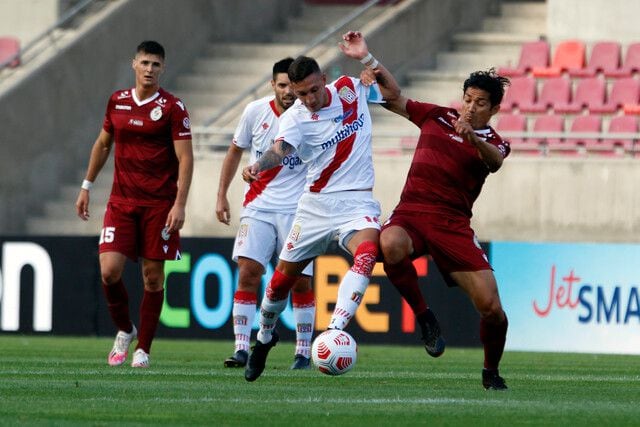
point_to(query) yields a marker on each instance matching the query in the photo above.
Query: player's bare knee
(302, 285)
(110, 275)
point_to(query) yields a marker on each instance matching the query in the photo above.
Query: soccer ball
(334, 352)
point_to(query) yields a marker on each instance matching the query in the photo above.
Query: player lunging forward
(269, 206)
(329, 126)
(153, 168)
(456, 152)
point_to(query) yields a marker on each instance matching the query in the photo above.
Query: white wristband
(86, 184)
(366, 59)
(374, 64)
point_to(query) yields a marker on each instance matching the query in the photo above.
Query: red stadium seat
(532, 54)
(630, 65)
(556, 90)
(605, 57)
(522, 90)
(590, 123)
(512, 123)
(517, 123)
(548, 123)
(620, 124)
(589, 92)
(624, 91)
(9, 48)
(569, 55)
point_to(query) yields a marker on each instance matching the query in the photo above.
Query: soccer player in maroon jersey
(146, 209)
(456, 151)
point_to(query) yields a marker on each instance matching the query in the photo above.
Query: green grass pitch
(66, 381)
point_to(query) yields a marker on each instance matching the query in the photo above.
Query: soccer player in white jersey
(329, 126)
(268, 210)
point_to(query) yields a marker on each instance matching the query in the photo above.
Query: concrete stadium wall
(593, 20)
(528, 199)
(47, 117)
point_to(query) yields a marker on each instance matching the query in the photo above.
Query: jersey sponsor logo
(180, 104)
(345, 132)
(156, 114)
(124, 94)
(186, 123)
(184, 133)
(291, 161)
(342, 117)
(347, 94)
(443, 120)
(136, 122)
(123, 107)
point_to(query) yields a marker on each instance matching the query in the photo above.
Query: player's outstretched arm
(269, 159)
(229, 169)
(355, 46)
(99, 155)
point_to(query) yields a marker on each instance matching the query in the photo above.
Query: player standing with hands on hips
(269, 206)
(456, 151)
(329, 126)
(146, 209)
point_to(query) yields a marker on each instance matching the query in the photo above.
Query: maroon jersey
(446, 173)
(146, 166)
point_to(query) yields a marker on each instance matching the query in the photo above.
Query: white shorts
(261, 234)
(321, 218)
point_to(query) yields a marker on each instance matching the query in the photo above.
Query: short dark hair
(301, 68)
(281, 66)
(489, 81)
(151, 47)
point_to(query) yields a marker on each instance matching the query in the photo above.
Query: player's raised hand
(82, 205)
(353, 45)
(367, 77)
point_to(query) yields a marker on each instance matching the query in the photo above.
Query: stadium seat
(521, 91)
(620, 124)
(589, 92)
(512, 123)
(556, 90)
(624, 91)
(569, 55)
(548, 123)
(9, 47)
(588, 123)
(532, 54)
(630, 65)
(605, 57)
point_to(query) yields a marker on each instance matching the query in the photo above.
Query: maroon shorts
(449, 240)
(139, 231)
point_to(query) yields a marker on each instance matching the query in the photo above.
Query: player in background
(456, 151)
(329, 126)
(268, 210)
(146, 208)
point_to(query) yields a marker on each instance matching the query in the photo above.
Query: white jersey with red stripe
(336, 140)
(278, 189)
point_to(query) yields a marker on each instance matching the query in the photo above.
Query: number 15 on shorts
(107, 235)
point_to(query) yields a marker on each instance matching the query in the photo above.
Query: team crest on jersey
(347, 94)
(315, 116)
(265, 126)
(156, 114)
